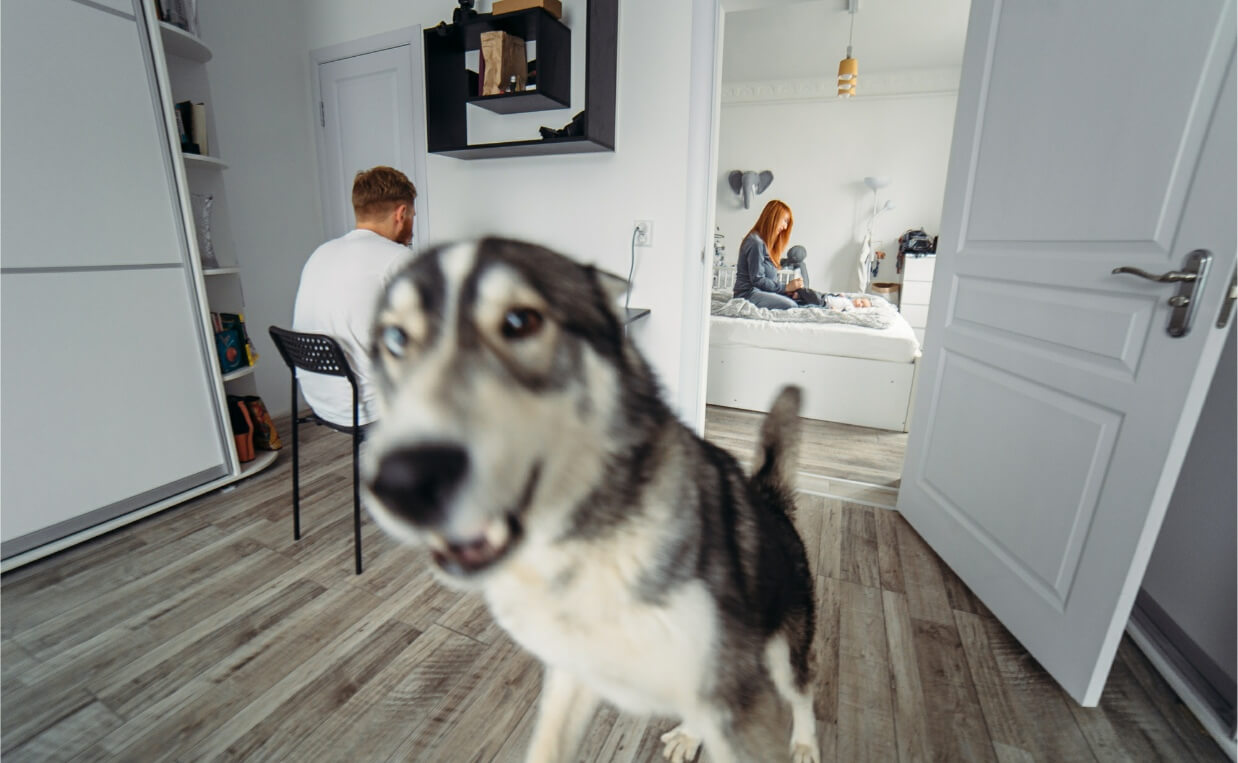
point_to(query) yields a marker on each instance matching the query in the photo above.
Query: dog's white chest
(640, 656)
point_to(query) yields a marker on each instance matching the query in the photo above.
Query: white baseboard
(1184, 689)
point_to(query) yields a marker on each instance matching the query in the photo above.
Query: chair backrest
(317, 353)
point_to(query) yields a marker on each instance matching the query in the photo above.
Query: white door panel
(1055, 408)
(88, 113)
(1141, 120)
(106, 398)
(368, 119)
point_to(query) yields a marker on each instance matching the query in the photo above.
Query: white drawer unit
(917, 288)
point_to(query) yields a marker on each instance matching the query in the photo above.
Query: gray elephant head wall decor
(749, 183)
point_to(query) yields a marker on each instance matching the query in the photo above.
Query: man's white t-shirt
(340, 287)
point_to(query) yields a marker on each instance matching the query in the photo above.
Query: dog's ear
(613, 286)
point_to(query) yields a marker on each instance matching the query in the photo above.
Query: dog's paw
(804, 753)
(679, 745)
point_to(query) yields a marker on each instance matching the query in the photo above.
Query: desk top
(635, 314)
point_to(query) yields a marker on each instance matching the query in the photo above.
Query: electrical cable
(627, 295)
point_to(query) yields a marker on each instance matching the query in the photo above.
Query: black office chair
(320, 354)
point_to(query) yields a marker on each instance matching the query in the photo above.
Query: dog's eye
(395, 340)
(520, 322)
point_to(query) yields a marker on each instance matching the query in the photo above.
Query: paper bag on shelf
(504, 58)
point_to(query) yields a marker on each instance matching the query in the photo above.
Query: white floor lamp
(868, 258)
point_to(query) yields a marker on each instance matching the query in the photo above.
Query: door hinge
(1227, 306)
(322, 113)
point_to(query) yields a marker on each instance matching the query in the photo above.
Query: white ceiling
(790, 39)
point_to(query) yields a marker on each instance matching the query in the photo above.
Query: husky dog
(524, 442)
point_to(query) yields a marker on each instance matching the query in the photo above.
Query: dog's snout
(416, 482)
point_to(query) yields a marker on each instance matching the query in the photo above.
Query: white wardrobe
(110, 401)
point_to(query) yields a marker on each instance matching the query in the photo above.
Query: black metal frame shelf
(449, 91)
(519, 103)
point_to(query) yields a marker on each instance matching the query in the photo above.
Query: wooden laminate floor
(842, 451)
(207, 633)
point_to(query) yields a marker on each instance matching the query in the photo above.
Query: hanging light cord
(851, 33)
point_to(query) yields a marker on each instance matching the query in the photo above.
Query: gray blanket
(879, 316)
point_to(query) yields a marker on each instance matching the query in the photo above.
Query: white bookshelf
(202, 160)
(262, 459)
(185, 55)
(177, 42)
(239, 373)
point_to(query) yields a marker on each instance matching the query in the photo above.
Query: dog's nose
(416, 482)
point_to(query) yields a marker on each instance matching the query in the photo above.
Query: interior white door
(366, 119)
(1054, 409)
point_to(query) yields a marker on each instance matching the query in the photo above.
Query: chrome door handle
(1173, 276)
(1190, 278)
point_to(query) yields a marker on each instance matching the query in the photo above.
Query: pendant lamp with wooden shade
(848, 68)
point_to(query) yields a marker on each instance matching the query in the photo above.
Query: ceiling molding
(875, 85)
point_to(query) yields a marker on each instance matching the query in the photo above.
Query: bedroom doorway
(858, 174)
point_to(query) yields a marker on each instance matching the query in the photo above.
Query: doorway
(370, 111)
(780, 113)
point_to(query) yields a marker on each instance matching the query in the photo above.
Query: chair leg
(296, 487)
(356, 498)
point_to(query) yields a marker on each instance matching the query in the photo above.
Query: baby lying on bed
(843, 302)
(830, 301)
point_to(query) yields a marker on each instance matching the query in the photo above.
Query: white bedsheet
(897, 343)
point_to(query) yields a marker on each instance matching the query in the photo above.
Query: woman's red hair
(767, 226)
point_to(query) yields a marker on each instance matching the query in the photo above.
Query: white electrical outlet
(644, 232)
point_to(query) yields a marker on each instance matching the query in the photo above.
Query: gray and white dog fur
(523, 440)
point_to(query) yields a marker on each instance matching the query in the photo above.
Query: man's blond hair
(377, 191)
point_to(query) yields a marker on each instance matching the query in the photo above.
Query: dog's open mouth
(477, 553)
(493, 543)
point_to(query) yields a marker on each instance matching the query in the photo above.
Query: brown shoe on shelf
(242, 428)
(265, 436)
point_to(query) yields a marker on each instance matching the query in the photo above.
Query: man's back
(340, 286)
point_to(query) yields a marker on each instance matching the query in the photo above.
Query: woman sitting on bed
(756, 274)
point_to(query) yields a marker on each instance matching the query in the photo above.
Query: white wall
(1192, 572)
(583, 205)
(820, 151)
(262, 111)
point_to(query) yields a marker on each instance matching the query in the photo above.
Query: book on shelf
(197, 132)
(180, 13)
(184, 121)
(231, 350)
(236, 321)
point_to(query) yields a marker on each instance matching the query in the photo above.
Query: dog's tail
(774, 466)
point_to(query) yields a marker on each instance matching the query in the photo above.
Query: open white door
(1054, 408)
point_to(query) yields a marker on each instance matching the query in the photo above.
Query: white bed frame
(859, 391)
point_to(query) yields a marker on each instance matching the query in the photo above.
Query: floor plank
(860, 562)
(1142, 731)
(955, 722)
(1038, 701)
(865, 708)
(828, 449)
(70, 737)
(1172, 709)
(926, 592)
(910, 722)
(373, 723)
(891, 565)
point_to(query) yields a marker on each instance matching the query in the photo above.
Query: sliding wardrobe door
(108, 396)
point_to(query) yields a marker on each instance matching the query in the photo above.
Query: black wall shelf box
(450, 87)
(518, 103)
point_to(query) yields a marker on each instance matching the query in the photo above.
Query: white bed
(849, 374)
